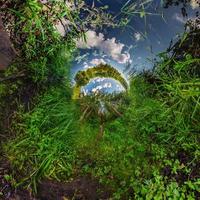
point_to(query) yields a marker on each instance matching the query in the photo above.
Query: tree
(7, 52)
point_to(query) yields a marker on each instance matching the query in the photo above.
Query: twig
(13, 77)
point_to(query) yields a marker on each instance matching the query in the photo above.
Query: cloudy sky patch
(137, 36)
(97, 61)
(195, 4)
(110, 46)
(178, 17)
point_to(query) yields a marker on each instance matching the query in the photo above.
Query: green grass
(150, 152)
(134, 151)
(43, 146)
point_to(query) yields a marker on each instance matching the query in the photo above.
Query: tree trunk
(7, 52)
(101, 128)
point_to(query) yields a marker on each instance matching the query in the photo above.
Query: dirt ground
(81, 188)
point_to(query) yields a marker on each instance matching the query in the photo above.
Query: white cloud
(194, 4)
(107, 85)
(85, 65)
(93, 40)
(180, 18)
(81, 58)
(183, 20)
(44, 1)
(98, 80)
(100, 87)
(109, 47)
(137, 36)
(62, 26)
(118, 86)
(84, 91)
(97, 61)
(97, 89)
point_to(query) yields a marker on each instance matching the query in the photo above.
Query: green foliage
(135, 150)
(159, 188)
(2, 90)
(146, 139)
(181, 89)
(102, 70)
(41, 38)
(149, 151)
(43, 146)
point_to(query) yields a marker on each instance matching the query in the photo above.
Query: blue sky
(138, 43)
